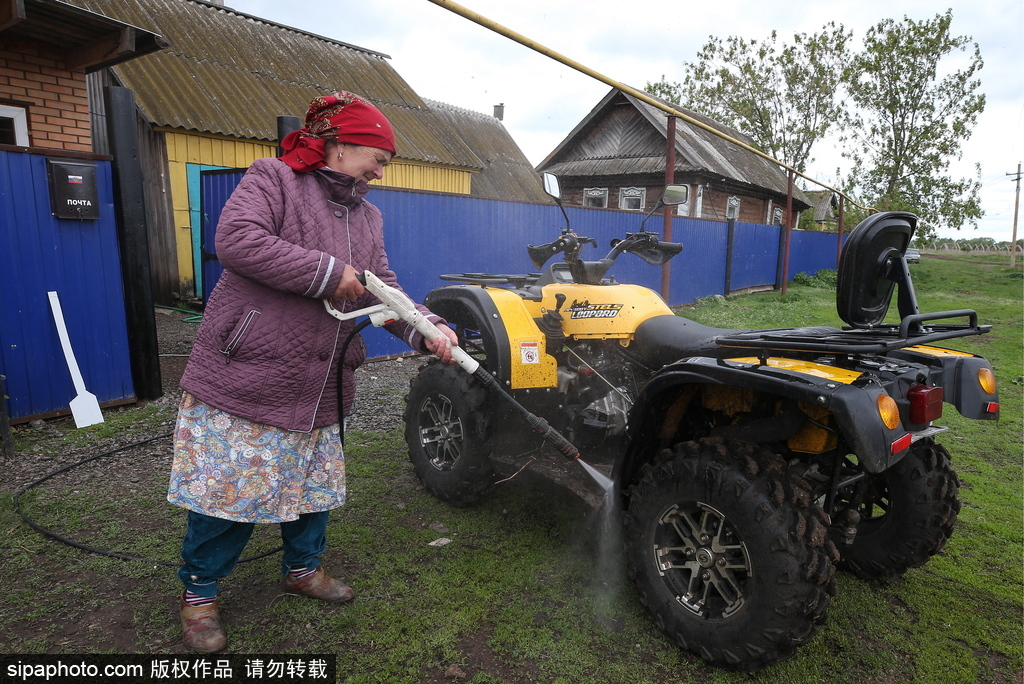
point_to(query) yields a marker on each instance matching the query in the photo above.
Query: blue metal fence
(79, 259)
(428, 234)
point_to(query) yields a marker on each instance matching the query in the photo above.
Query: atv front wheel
(446, 430)
(907, 514)
(729, 554)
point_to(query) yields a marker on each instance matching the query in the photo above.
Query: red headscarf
(345, 117)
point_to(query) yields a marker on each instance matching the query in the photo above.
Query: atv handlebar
(645, 245)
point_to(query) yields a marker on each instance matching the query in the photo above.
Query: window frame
(20, 117)
(732, 208)
(589, 193)
(633, 192)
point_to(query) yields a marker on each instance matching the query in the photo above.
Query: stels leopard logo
(587, 310)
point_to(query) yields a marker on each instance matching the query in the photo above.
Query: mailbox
(73, 191)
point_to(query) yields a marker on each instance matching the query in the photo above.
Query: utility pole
(1016, 206)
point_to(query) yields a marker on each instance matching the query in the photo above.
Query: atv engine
(598, 387)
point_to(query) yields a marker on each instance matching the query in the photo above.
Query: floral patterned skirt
(228, 467)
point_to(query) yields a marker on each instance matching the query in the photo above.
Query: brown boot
(200, 626)
(319, 586)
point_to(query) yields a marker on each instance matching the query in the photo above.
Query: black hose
(341, 372)
(50, 533)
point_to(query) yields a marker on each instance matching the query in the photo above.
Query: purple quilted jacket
(267, 349)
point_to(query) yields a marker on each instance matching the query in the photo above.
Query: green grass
(526, 592)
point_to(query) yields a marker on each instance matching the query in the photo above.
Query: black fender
(854, 406)
(957, 373)
(471, 306)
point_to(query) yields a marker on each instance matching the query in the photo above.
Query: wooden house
(615, 158)
(213, 100)
(824, 203)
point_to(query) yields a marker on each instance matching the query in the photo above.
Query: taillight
(889, 411)
(925, 403)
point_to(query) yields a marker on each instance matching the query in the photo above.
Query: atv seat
(662, 340)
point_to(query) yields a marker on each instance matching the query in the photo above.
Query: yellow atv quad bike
(747, 463)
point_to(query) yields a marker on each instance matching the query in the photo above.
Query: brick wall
(33, 75)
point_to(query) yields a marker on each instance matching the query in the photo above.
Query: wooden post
(132, 238)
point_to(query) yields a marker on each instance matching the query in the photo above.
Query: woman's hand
(442, 346)
(349, 288)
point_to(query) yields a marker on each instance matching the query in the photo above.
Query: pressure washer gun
(396, 305)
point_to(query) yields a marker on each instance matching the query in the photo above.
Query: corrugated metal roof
(233, 74)
(507, 174)
(614, 140)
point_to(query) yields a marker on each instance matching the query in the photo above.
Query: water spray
(396, 305)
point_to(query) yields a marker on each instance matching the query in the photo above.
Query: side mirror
(551, 186)
(675, 194)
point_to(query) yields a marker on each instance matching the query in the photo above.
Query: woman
(258, 438)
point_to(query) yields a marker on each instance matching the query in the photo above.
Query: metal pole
(730, 243)
(670, 176)
(788, 231)
(839, 230)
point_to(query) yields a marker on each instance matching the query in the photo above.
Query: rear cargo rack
(874, 340)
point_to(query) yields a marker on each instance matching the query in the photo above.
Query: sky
(448, 58)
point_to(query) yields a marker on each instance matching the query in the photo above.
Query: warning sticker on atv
(529, 352)
(588, 310)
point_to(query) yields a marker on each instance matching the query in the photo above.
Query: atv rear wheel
(907, 514)
(446, 430)
(729, 554)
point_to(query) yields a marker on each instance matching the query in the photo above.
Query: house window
(632, 198)
(777, 216)
(732, 208)
(595, 197)
(13, 126)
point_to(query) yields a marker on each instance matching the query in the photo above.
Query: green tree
(783, 96)
(912, 119)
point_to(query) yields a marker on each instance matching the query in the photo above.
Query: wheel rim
(702, 560)
(441, 432)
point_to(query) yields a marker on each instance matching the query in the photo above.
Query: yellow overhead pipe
(640, 95)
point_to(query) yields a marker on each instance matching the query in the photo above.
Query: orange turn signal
(987, 380)
(889, 411)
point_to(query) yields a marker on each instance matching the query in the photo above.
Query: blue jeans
(212, 547)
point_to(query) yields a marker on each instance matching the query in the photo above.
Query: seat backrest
(869, 267)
